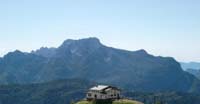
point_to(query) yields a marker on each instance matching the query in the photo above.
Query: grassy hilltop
(124, 101)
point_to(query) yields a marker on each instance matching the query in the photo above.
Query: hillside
(123, 101)
(195, 72)
(165, 97)
(91, 60)
(54, 92)
(72, 90)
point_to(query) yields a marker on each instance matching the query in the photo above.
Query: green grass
(123, 101)
(84, 102)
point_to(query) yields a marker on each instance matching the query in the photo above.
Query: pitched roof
(99, 87)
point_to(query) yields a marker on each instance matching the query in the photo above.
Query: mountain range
(195, 72)
(190, 65)
(91, 60)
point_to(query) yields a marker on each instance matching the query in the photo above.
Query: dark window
(95, 96)
(118, 96)
(89, 94)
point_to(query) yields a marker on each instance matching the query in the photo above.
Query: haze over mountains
(190, 65)
(91, 60)
(192, 68)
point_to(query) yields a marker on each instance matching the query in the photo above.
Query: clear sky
(162, 27)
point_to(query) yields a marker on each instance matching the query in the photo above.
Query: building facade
(103, 92)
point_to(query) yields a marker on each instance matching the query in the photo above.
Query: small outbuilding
(103, 92)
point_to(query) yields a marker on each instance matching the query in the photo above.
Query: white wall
(110, 94)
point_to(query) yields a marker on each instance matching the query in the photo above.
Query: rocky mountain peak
(142, 51)
(14, 53)
(80, 47)
(93, 42)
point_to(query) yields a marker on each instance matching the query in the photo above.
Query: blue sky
(162, 27)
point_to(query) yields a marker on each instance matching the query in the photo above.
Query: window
(95, 96)
(89, 94)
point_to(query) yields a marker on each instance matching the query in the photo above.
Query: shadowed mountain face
(89, 59)
(195, 72)
(18, 67)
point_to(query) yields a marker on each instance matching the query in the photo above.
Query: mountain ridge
(190, 65)
(91, 60)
